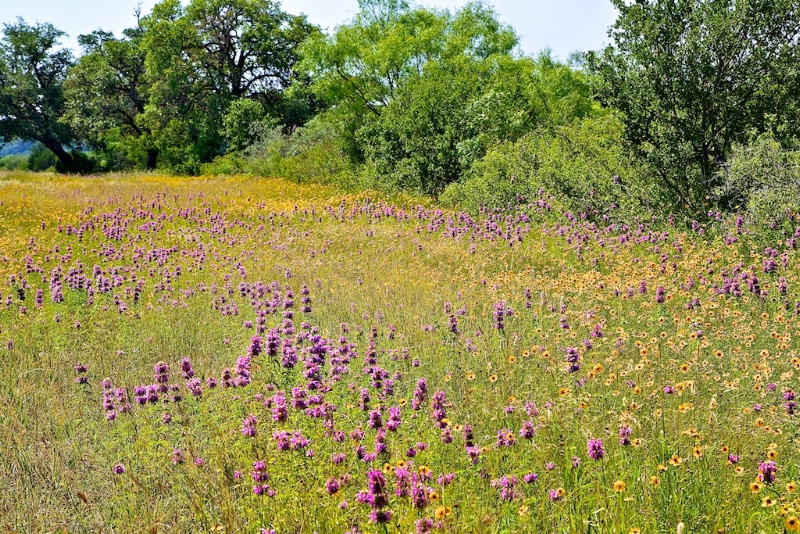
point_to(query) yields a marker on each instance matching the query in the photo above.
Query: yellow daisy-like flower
(767, 502)
(755, 486)
(635, 530)
(433, 496)
(676, 460)
(655, 481)
(792, 523)
(442, 512)
(619, 486)
(424, 470)
(493, 377)
(697, 452)
(791, 487)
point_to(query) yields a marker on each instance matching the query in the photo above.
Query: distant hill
(16, 147)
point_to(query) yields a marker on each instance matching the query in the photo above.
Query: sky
(562, 25)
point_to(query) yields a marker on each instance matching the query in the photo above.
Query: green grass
(397, 275)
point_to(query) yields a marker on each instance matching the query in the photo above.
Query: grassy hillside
(232, 355)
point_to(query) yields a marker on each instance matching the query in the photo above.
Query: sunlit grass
(672, 388)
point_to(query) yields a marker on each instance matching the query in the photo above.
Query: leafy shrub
(583, 164)
(761, 180)
(41, 159)
(309, 153)
(14, 162)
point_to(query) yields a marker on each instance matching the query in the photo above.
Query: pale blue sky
(563, 25)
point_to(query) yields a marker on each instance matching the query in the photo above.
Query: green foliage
(445, 119)
(243, 121)
(203, 57)
(31, 93)
(582, 164)
(113, 72)
(363, 66)
(14, 162)
(761, 180)
(308, 154)
(41, 159)
(692, 78)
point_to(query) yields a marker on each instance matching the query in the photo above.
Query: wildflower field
(250, 355)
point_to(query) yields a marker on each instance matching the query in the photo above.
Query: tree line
(403, 96)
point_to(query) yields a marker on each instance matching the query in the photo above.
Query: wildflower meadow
(253, 355)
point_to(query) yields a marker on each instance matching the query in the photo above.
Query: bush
(310, 153)
(761, 180)
(584, 165)
(41, 159)
(14, 162)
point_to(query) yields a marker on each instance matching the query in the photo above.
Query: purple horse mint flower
(438, 408)
(446, 479)
(118, 469)
(767, 472)
(394, 419)
(595, 448)
(573, 358)
(249, 426)
(195, 387)
(161, 373)
(499, 315)
(530, 478)
(255, 346)
(177, 457)
(506, 485)
(528, 430)
(424, 525)
(420, 394)
(376, 485)
(279, 410)
(332, 486)
(660, 295)
(624, 435)
(298, 442)
(375, 421)
(186, 368)
(505, 438)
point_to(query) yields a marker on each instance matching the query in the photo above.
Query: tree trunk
(152, 159)
(63, 156)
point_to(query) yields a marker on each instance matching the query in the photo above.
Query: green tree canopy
(691, 77)
(106, 92)
(202, 57)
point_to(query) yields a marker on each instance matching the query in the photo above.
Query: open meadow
(252, 355)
